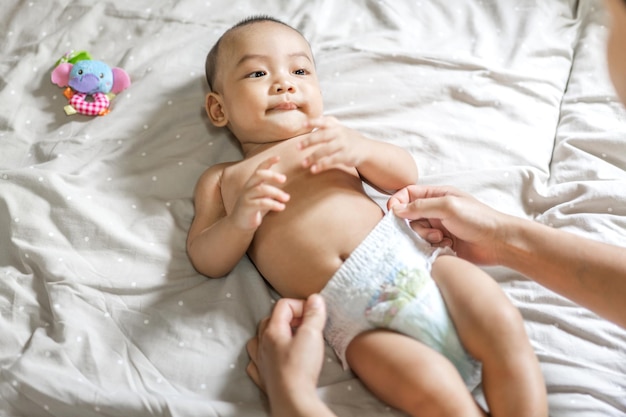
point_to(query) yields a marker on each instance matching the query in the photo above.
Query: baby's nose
(284, 86)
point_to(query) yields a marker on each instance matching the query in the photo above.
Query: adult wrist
(298, 402)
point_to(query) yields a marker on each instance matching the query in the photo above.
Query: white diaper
(386, 283)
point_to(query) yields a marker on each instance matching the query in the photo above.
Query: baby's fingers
(256, 202)
(322, 131)
(322, 162)
(262, 176)
(271, 197)
(264, 196)
(321, 122)
(264, 173)
(269, 162)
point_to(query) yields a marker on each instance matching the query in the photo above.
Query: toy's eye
(101, 75)
(80, 72)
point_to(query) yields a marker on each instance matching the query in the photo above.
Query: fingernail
(433, 237)
(315, 300)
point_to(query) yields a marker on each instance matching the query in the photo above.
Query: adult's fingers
(424, 208)
(252, 369)
(287, 312)
(412, 193)
(426, 231)
(253, 372)
(314, 313)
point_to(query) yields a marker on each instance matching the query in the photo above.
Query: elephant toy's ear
(61, 74)
(121, 80)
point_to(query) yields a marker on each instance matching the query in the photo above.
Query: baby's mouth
(287, 105)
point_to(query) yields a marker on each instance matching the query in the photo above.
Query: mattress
(101, 311)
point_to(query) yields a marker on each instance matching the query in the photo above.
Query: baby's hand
(260, 195)
(339, 145)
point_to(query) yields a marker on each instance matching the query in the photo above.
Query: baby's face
(267, 82)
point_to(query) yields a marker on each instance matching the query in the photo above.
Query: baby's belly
(298, 251)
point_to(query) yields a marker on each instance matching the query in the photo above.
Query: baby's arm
(217, 240)
(384, 165)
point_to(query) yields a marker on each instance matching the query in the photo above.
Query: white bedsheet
(101, 312)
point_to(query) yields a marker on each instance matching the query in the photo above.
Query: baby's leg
(492, 330)
(410, 376)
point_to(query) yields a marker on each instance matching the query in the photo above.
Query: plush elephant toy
(90, 85)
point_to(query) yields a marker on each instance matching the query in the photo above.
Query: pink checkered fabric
(97, 107)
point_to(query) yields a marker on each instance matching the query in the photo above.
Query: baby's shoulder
(214, 171)
(229, 174)
(212, 176)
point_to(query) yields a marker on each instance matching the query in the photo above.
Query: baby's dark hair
(211, 59)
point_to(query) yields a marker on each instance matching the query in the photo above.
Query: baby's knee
(434, 399)
(508, 320)
(408, 375)
(506, 333)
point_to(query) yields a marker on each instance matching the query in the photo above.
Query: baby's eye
(301, 71)
(256, 74)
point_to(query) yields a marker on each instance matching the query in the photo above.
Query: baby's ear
(215, 110)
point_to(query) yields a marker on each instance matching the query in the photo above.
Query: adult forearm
(299, 405)
(592, 274)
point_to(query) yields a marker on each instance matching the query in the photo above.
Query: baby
(415, 323)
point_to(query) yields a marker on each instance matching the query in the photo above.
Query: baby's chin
(293, 130)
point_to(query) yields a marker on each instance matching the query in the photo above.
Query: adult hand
(288, 352)
(446, 216)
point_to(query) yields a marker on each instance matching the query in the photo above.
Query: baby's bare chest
(297, 179)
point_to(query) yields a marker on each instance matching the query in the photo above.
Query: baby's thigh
(408, 375)
(487, 322)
